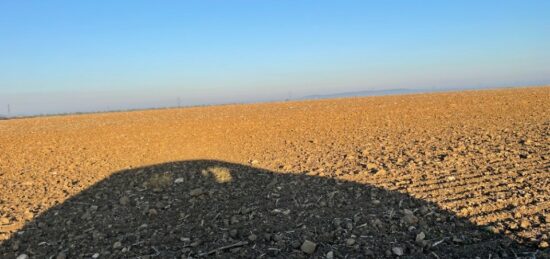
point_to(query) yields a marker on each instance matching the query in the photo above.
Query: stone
(350, 241)
(397, 251)
(152, 212)
(4, 221)
(409, 219)
(295, 244)
(179, 180)
(28, 214)
(252, 237)
(196, 192)
(61, 255)
(330, 255)
(117, 245)
(372, 166)
(408, 212)
(420, 236)
(96, 255)
(543, 244)
(525, 224)
(124, 200)
(492, 229)
(234, 220)
(377, 223)
(308, 247)
(22, 256)
(381, 171)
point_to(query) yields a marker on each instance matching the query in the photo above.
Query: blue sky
(68, 56)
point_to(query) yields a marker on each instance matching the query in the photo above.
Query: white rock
(397, 251)
(178, 180)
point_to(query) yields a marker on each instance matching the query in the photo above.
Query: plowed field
(442, 175)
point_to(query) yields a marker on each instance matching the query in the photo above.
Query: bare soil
(444, 175)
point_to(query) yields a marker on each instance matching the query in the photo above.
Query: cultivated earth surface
(446, 175)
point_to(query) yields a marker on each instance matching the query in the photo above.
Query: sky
(81, 56)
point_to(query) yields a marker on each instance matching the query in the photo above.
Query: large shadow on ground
(206, 208)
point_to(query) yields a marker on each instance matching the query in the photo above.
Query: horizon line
(318, 97)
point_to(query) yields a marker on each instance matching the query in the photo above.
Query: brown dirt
(443, 175)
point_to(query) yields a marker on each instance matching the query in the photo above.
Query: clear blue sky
(66, 56)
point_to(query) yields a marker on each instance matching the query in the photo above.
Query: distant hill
(365, 93)
(2, 117)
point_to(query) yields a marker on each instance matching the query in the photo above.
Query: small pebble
(397, 251)
(124, 200)
(196, 192)
(152, 212)
(420, 236)
(525, 224)
(308, 247)
(117, 245)
(409, 219)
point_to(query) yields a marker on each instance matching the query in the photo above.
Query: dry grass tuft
(220, 174)
(159, 181)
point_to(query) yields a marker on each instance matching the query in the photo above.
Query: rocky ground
(445, 175)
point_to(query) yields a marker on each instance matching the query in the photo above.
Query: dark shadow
(219, 209)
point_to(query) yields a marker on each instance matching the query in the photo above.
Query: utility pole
(9, 110)
(179, 102)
